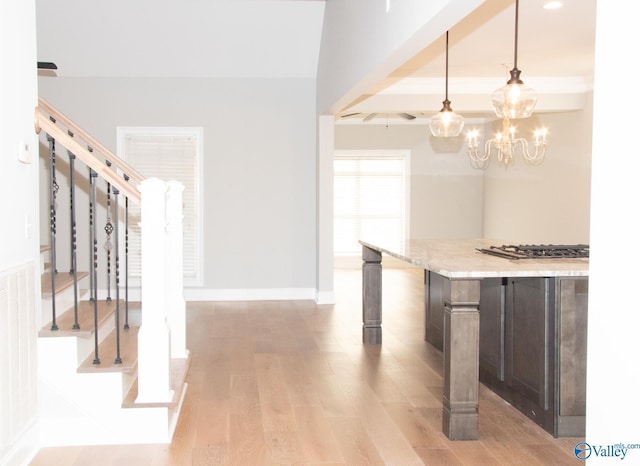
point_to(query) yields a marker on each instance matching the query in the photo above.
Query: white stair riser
(85, 408)
(64, 301)
(86, 346)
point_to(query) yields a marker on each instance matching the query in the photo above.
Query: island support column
(371, 296)
(461, 353)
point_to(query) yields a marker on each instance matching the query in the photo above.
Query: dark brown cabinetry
(434, 305)
(532, 344)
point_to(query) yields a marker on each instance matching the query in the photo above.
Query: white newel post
(175, 274)
(154, 338)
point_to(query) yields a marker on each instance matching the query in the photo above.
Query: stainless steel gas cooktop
(541, 251)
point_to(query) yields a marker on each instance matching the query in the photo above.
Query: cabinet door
(434, 304)
(529, 369)
(492, 331)
(572, 356)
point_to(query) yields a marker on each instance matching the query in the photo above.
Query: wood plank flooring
(290, 383)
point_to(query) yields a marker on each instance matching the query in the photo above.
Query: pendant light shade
(514, 100)
(446, 123)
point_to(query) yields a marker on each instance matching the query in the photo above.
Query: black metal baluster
(116, 192)
(72, 208)
(53, 191)
(94, 272)
(92, 297)
(126, 259)
(108, 229)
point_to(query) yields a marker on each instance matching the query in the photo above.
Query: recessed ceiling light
(554, 5)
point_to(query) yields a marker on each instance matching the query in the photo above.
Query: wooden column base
(371, 296)
(459, 425)
(461, 357)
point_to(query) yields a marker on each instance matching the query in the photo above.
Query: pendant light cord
(446, 69)
(515, 52)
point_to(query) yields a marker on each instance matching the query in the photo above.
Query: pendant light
(446, 123)
(514, 100)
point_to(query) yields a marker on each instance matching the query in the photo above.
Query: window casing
(370, 199)
(168, 154)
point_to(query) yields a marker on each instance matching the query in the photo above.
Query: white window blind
(167, 154)
(369, 200)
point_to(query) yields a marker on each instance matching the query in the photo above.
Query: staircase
(89, 367)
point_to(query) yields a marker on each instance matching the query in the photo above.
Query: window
(369, 199)
(168, 154)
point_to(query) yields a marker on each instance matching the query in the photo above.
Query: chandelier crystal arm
(506, 145)
(540, 149)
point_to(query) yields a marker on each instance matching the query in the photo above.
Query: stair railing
(161, 335)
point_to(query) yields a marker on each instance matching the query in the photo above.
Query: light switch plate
(24, 155)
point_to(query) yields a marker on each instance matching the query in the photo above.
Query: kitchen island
(533, 318)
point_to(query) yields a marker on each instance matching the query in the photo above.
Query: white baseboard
(325, 297)
(251, 294)
(24, 449)
(254, 294)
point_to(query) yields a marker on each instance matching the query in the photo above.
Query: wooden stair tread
(107, 353)
(66, 320)
(63, 281)
(178, 376)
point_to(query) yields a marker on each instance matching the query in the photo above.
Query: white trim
(24, 448)
(198, 133)
(251, 294)
(480, 85)
(325, 297)
(406, 154)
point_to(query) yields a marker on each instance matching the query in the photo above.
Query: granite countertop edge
(459, 259)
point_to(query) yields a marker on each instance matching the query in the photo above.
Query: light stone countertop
(458, 258)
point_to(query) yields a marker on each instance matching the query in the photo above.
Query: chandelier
(514, 100)
(506, 145)
(446, 123)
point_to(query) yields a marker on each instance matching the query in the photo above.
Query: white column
(324, 279)
(175, 273)
(613, 372)
(154, 349)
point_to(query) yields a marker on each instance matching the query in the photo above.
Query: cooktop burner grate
(542, 251)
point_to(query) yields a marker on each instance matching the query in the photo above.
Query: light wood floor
(287, 383)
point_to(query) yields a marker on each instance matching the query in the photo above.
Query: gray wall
(259, 164)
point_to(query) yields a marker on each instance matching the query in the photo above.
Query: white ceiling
(181, 38)
(269, 38)
(555, 55)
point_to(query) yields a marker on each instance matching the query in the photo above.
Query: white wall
(613, 372)
(446, 193)
(259, 168)
(189, 39)
(19, 252)
(364, 41)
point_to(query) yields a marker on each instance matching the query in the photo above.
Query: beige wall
(445, 192)
(548, 203)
